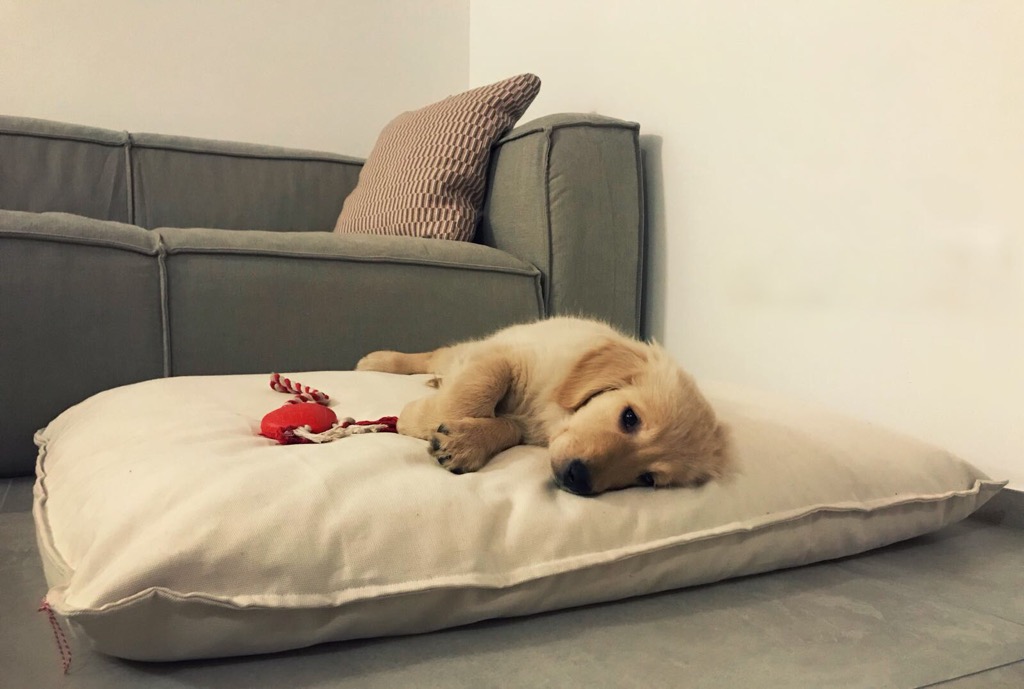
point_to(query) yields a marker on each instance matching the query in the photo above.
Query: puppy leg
(400, 362)
(460, 420)
(468, 444)
(421, 417)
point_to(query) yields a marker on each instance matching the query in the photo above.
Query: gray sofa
(126, 257)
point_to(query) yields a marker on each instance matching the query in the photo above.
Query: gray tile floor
(943, 610)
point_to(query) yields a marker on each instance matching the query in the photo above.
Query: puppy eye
(646, 479)
(629, 420)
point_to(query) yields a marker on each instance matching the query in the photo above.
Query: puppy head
(637, 420)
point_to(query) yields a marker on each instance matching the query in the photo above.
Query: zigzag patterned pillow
(426, 175)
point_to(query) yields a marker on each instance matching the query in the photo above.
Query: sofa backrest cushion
(186, 182)
(52, 166)
(427, 173)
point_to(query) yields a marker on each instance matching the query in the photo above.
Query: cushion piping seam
(165, 306)
(39, 512)
(358, 162)
(604, 558)
(538, 288)
(529, 271)
(513, 135)
(130, 175)
(638, 316)
(61, 137)
(549, 230)
(105, 243)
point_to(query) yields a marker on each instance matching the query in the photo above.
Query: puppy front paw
(456, 446)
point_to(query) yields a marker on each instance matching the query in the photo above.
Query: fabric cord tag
(63, 647)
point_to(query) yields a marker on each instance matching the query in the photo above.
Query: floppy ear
(608, 366)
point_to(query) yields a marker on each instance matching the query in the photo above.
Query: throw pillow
(427, 173)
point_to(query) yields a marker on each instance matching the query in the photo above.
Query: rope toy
(303, 393)
(306, 417)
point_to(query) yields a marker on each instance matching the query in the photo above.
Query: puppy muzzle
(575, 478)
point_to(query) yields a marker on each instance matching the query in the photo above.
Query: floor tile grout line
(970, 674)
(7, 490)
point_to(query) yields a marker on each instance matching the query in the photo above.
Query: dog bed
(169, 529)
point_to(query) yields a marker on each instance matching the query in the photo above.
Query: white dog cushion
(170, 530)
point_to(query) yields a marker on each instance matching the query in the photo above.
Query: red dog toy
(280, 424)
(306, 417)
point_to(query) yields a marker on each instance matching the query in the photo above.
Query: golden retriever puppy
(614, 412)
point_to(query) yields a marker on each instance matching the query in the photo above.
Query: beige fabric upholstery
(170, 530)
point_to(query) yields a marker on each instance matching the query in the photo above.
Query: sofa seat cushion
(169, 529)
(325, 294)
(427, 173)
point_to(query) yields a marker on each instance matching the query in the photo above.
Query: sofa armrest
(566, 195)
(80, 312)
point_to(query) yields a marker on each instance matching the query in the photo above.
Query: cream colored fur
(568, 384)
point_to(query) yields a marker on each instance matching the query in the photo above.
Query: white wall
(839, 212)
(322, 74)
(838, 204)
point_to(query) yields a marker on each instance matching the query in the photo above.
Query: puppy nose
(576, 478)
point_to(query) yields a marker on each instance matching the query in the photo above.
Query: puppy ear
(609, 366)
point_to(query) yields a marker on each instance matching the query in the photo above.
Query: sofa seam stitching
(547, 129)
(550, 282)
(106, 243)
(528, 271)
(61, 137)
(356, 162)
(130, 174)
(165, 305)
(638, 318)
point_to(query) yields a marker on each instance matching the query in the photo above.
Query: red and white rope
(342, 429)
(302, 393)
(347, 427)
